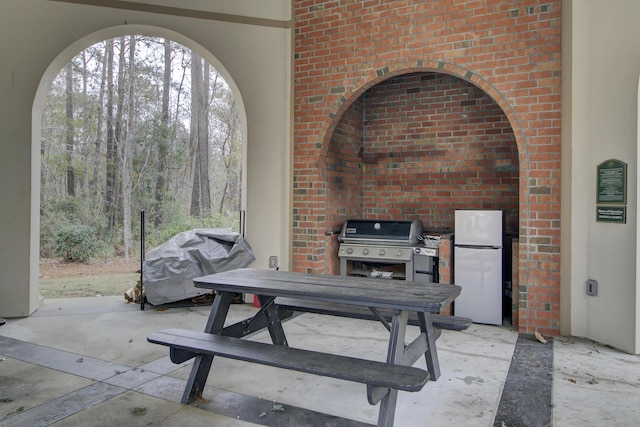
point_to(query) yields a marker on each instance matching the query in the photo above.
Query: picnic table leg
(273, 320)
(395, 355)
(202, 363)
(431, 355)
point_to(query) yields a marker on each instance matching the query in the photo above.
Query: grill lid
(371, 231)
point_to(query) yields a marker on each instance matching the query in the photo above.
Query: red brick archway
(334, 219)
(511, 54)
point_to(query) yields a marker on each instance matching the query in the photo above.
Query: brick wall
(497, 58)
(435, 143)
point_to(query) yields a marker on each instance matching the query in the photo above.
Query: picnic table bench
(383, 379)
(440, 321)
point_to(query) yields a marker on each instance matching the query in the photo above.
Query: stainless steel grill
(374, 232)
(383, 248)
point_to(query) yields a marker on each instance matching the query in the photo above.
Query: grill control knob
(416, 250)
(365, 251)
(381, 252)
(398, 252)
(349, 250)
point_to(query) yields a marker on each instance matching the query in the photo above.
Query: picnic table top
(363, 291)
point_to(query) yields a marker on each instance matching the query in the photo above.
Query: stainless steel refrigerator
(478, 265)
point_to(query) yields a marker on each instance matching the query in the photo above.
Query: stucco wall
(37, 37)
(600, 104)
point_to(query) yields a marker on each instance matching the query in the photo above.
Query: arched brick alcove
(517, 71)
(418, 144)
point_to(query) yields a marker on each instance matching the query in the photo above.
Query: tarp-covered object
(169, 270)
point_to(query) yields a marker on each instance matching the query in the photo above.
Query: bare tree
(163, 143)
(112, 144)
(203, 142)
(127, 152)
(119, 129)
(93, 184)
(70, 130)
(194, 144)
(201, 192)
(85, 109)
(229, 154)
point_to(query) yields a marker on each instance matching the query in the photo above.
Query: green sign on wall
(612, 182)
(611, 214)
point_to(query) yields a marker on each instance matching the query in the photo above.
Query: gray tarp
(169, 269)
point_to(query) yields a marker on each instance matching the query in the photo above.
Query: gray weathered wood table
(383, 380)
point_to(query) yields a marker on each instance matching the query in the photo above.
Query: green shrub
(76, 243)
(157, 236)
(60, 212)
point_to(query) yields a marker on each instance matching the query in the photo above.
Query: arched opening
(419, 145)
(149, 143)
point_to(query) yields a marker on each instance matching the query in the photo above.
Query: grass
(85, 286)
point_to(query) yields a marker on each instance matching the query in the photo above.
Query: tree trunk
(180, 179)
(116, 213)
(85, 152)
(127, 153)
(93, 183)
(203, 144)
(201, 190)
(112, 145)
(196, 93)
(163, 144)
(70, 129)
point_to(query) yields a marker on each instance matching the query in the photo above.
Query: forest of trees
(137, 123)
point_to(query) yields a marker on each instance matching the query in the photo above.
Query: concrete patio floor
(86, 361)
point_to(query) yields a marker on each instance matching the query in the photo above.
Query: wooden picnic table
(383, 380)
